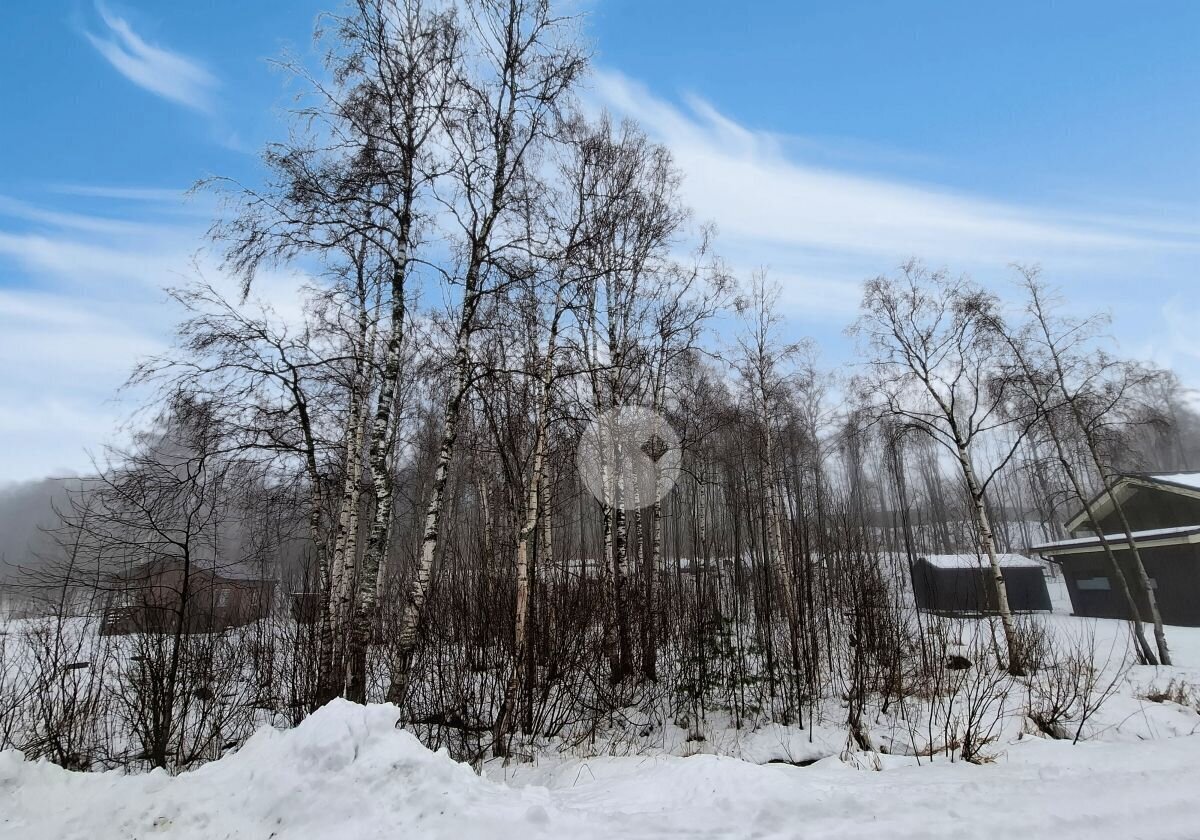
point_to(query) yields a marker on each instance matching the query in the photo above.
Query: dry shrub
(1068, 691)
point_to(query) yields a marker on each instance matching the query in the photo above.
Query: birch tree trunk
(339, 592)
(379, 537)
(621, 574)
(406, 638)
(418, 590)
(1139, 632)
(526, 537)
(777, 558)
(1139, 569)
(654, 564)
(518, 76)
(1093, 446)
(987, 542)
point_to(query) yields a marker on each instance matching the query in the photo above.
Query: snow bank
(346, 772)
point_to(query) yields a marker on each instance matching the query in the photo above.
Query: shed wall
(970, 590)
(1174, 571)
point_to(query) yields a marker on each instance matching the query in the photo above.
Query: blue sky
(827, 141)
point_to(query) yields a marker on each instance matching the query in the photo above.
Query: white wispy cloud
(80, 296)
(116, 193)
(822, 229)
(81, 302)
(163, 72)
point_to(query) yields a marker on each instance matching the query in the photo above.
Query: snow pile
(346, 772)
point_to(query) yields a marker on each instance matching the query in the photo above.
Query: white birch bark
(1139, 570)
(406, 637)
(1160, 638)
(778, 560)
(338, 592)
(379, 461)
(987, 543)
(1139, 632)
(528, 533)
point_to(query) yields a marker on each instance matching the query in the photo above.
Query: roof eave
(1122, 544)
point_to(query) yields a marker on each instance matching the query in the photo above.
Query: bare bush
(1066, 693)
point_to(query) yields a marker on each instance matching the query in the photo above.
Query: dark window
(1094, 583)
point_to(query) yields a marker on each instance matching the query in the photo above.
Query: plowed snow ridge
(347, 772)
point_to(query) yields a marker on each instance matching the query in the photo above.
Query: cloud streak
(80, 297)
(170, 75)
(81, 302)
(818, 221)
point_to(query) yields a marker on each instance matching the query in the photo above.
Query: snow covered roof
(1153, 536)
(976, 561)
(1190, 480)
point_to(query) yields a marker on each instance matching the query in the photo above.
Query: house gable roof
(1181, 483)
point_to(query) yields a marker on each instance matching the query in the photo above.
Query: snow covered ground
(347, 772)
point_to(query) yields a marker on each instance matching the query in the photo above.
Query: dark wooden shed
(961, 584)
(1163, 511)
(153, 597)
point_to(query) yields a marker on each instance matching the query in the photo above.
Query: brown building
(152, 597)
(1163, 510)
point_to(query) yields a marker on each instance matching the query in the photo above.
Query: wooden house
(152, 598)
(1163, 511)
(961, 584)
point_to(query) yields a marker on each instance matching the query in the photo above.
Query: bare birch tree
(517, 77)
(933, 367)
(355, 175)
(1094, 393)
(1038, 360)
